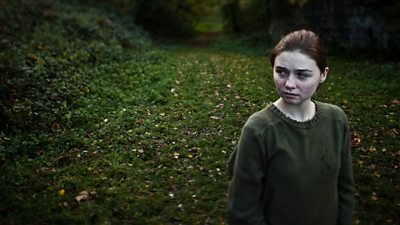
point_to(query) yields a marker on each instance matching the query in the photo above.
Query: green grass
(146, 130)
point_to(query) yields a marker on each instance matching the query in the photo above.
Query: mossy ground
(146, 129)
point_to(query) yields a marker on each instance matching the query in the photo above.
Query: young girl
(292, 165)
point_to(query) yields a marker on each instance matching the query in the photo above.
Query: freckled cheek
(279, 85)
(308, 89)
(279, 82)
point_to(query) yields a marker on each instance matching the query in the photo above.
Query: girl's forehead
(294, 59)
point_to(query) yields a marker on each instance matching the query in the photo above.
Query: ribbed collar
(305, 124)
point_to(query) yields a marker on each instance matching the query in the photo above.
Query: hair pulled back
(306, 42)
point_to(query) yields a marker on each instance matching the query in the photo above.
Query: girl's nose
(290, 83)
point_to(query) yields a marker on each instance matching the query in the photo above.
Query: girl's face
(297, 77)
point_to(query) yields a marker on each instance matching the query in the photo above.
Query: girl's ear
(324, 75)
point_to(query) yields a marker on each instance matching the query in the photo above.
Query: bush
(48, 46)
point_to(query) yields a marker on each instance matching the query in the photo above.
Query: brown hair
(307, 42)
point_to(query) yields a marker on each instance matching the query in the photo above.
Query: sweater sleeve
(245, 205)
(346, 184)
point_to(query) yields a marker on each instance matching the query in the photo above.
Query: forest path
(151, 136)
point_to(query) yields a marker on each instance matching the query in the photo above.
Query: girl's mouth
(291, 95)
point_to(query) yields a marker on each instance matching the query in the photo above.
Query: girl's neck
(301, 112)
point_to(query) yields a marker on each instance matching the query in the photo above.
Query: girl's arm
(346, 183)
(245, 205)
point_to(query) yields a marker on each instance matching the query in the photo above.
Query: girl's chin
(293, 101)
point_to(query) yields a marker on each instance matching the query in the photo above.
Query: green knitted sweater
(285, 172)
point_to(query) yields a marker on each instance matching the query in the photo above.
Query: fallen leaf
(85, 90)
(176, 155)
(374, 197)
(35, 58)
(395, 102)
(61, 192)
(371, 149)
(82, 196)
(55, 126)
(105, 22)
(356, 139)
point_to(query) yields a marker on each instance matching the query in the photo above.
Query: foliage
(253, 44)
(168, 19)
(174, 18)
(371, 25)
(145, 131)
(44, 70)
(124, 7)
(210, 20)
(248, 16)
(242, 16)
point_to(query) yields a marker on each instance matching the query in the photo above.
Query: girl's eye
(302, 75)
(281, 73)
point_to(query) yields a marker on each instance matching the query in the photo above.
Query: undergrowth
(90, 107)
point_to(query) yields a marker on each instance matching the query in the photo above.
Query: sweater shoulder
(332, 111)
(261, 120)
